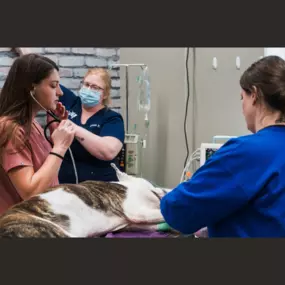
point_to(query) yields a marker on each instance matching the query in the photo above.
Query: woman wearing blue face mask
(100, 130)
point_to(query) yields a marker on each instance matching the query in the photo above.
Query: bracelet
(56, 154)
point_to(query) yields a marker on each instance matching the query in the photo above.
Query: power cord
(186, 108)
(195, 156)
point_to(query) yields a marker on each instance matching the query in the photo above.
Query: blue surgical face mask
(89, 98)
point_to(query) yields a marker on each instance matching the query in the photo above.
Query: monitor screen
(210, 152)
(207, 150)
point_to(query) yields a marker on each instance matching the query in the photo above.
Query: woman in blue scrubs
(240, 190)
(99, 130)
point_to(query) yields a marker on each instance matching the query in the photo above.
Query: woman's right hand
(61, 112)
(62, 137)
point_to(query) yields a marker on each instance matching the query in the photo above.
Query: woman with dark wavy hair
(29, 165)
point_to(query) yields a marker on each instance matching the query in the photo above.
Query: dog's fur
(90, 208)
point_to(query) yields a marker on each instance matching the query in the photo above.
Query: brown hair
(15, 100)
(268, 76)
(104, 74)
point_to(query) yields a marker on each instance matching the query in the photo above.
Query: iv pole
(127, 85)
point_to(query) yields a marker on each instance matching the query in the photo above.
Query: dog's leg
(144, 215)
(107, 225)
(141, 227)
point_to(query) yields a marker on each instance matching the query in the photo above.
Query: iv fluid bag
(144, 92)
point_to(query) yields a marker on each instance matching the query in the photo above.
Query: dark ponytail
(267, 75)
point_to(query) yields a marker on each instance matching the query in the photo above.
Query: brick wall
(73, 64)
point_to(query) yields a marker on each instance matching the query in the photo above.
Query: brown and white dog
(90, 208)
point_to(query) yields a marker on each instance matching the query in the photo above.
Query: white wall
(275, 51)
(217, 105)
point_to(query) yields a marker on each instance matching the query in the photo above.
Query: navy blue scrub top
(105, 122)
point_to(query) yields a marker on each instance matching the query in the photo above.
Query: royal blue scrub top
(238, 192)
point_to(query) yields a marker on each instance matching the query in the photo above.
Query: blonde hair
(105, 75)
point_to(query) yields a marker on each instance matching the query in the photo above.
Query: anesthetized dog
(90, 208)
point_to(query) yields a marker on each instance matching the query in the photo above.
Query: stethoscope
(58, 120)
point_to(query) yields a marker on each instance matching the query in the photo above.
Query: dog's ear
(120, 175)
